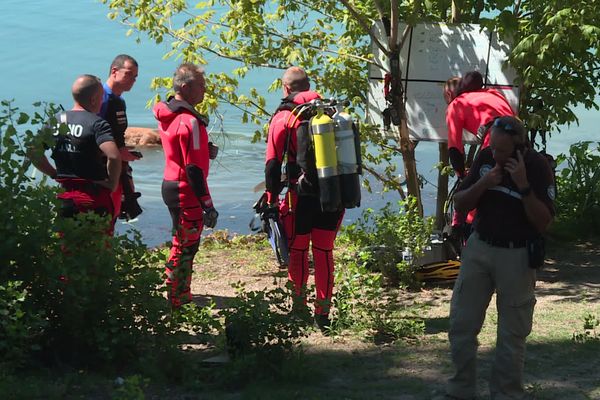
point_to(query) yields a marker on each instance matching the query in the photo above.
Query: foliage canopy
(555, 54)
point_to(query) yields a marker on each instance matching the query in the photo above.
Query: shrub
(376, 247)
(590, 332)
(260, 320)
(130, 388)
(202, 321)
(19, 328)
(578, 191)
(356, 290)
(384, 236)
(362, 305)
(101, 299)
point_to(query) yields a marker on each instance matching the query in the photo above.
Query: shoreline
(142, 136)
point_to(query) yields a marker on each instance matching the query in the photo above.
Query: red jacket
(471, 110)
(185, 143)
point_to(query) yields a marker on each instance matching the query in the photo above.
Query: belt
(508, 244)
(79, 184)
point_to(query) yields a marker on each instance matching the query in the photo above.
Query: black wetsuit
(124, 198)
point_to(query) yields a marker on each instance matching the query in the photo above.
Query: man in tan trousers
(512, 188)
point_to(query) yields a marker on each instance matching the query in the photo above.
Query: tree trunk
(407, 148)
(456, 5)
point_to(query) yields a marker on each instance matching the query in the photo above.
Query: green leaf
(23, 119)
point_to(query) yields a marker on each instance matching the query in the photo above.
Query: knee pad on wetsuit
(298, 264)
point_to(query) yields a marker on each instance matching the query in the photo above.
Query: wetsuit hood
(301, 97)
(294, 99)
(166, 111)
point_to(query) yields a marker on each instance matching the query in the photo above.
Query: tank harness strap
(296, 112)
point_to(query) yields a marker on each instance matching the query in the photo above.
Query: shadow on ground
(572, 272)
(220, 301)
(557, 370)
(341, 368)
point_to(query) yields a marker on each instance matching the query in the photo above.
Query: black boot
(323, 323)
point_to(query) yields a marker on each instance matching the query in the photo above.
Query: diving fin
(272, 226)
(278, 241)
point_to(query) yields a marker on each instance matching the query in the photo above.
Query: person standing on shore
(512, 188)
(185, 187)
(303, 219)
(121, 78)
(471, 108)
(87, 159)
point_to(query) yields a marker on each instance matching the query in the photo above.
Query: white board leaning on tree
(432, 53)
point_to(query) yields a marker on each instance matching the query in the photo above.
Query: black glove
(213, 150)
(272, 210)
(130, 207)
(210, 217)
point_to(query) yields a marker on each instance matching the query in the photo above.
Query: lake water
(47, 43)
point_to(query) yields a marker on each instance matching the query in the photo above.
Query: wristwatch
(525, 191)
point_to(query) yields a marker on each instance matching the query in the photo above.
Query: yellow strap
(297, 115)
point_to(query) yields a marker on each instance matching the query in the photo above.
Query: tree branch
(170, 32)
(244, 109)
(455, 12)
(388, 147)
(381, 178)
(407, 29)
(379, 9)
(479, 6)
(223, 98)
(364, 25)
(394, 22)
(315, 9)
(517, 8)
(291, 39)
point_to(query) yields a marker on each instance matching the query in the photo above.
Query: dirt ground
(350, 367)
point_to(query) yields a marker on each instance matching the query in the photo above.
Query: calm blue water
(47, 43)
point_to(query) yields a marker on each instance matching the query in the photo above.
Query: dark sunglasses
(506, 126)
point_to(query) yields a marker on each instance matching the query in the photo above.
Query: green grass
(353, 367)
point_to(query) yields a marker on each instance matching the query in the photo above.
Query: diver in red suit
(301, 214)
(185, 188)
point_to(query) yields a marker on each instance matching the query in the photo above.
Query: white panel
(498, 73)
(440, 51)
(376, 102)
(432, 54)
(426, 113)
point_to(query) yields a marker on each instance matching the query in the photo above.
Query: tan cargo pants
(485, 269)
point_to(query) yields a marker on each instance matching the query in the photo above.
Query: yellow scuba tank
(323, 135)
(348, 157)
